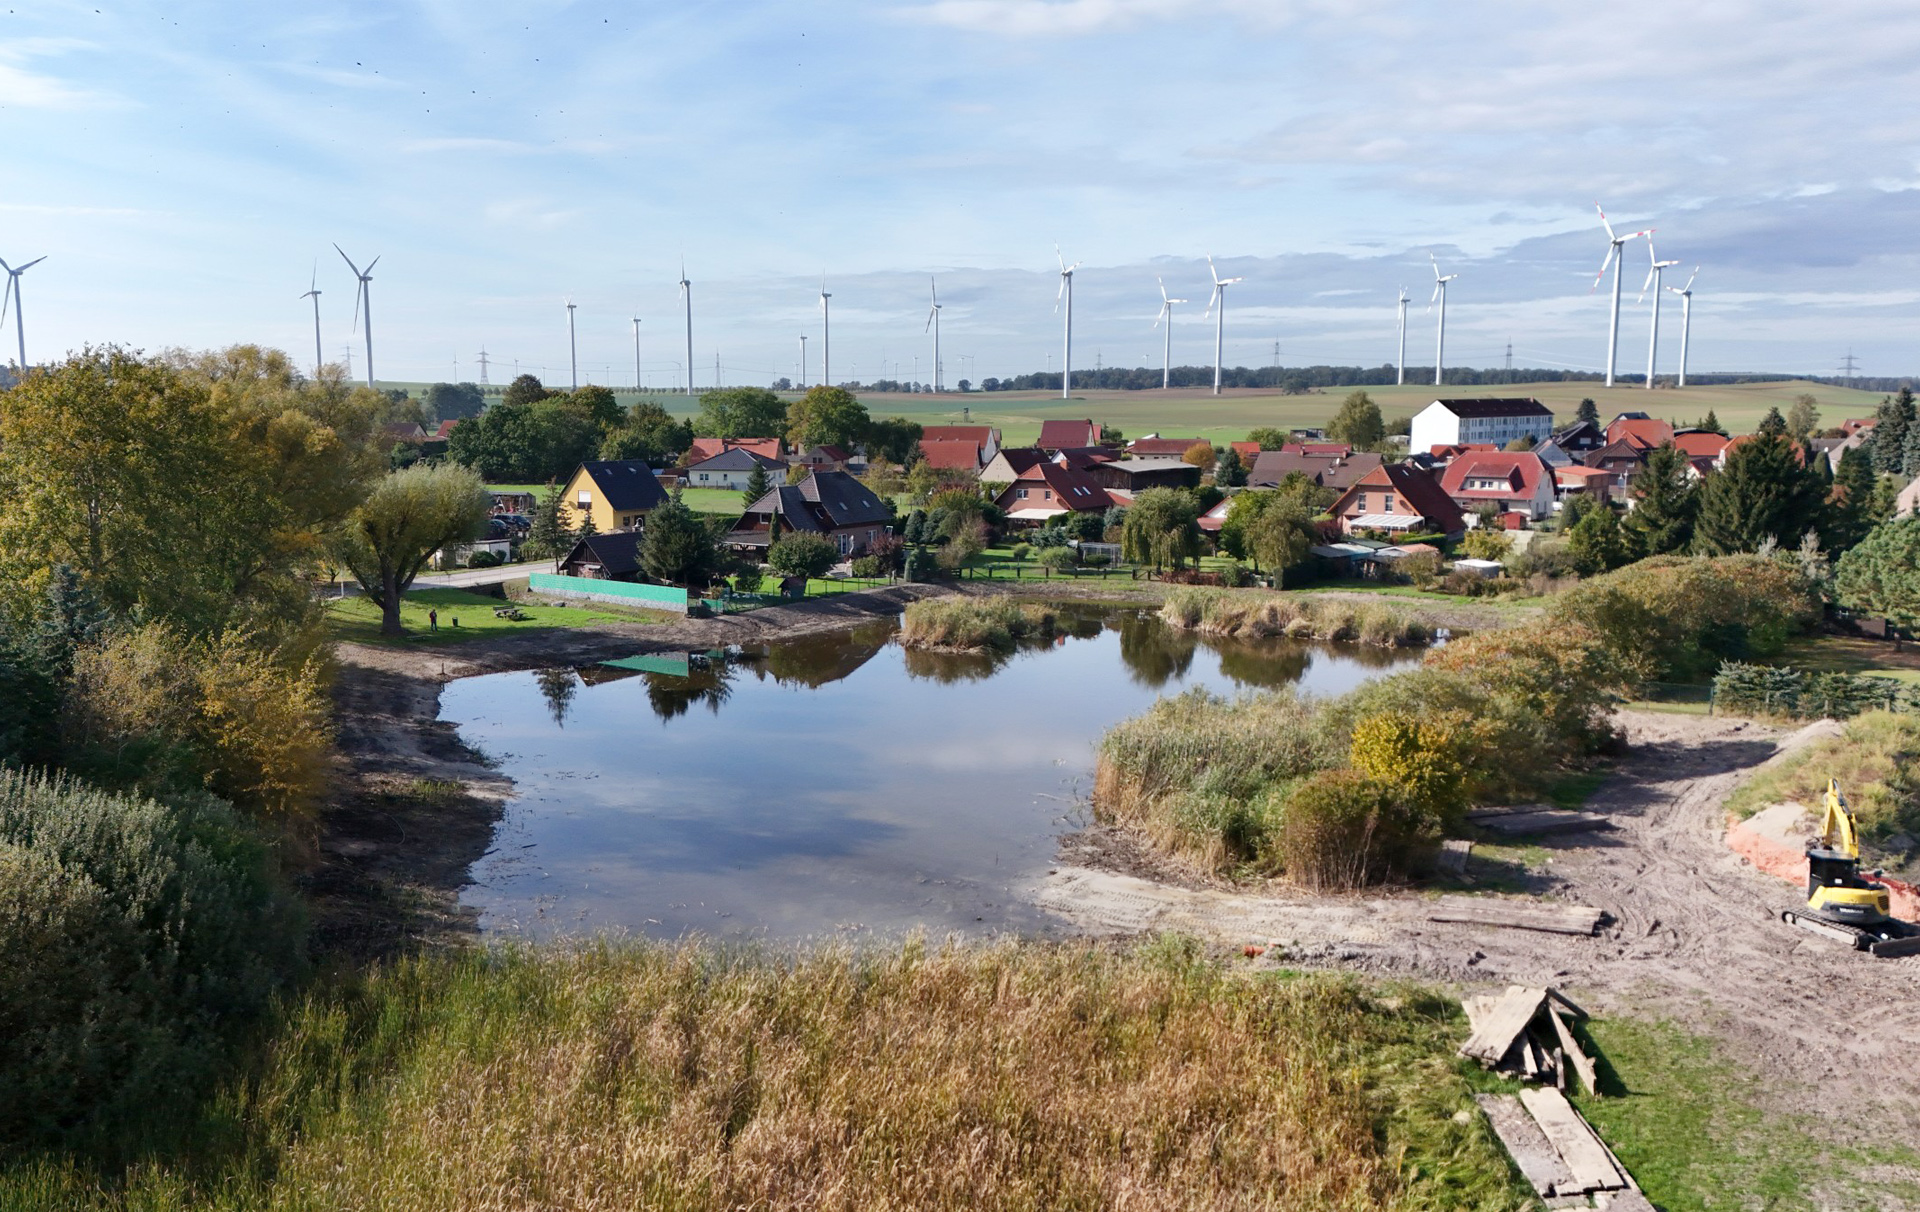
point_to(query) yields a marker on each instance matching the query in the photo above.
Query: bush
(484, 559)
(1059, 559)
(890, 551)
(868, 567)
(800, 554)
(1262, 615)
(1342, 830)
(748, 579)
(1421, 568)
(135, 938)
(1482, 543)
(921, 565)
(1020, 551)
(971, 624)
(1049, 537)
(1418, 757)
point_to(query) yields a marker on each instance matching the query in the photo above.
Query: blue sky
(185, 165)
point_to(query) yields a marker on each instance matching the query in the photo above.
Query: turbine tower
(573, 350)
(1219, 299)
(1614, 243)
(1686, 321)
(1440, 335)
(313, 293)
(686, 293)
(1166, 353)
(1653, 283)
(826, 334)
(13, 288)
(933, 323)
(1401, 378)
(803, 361)
(636, 353)
(362, 301)
(1065, 294)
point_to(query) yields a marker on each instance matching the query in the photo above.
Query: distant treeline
(1278, 378)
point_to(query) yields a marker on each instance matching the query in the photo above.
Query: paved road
(465, 578)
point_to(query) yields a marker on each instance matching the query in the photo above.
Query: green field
(1181, 412)
(358, 619)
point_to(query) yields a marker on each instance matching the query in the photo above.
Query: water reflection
(833, 783)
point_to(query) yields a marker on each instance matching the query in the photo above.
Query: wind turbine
(1614, 242)
(1653, 283)
(573, 350)
(933, 322)
(362, 300)
(314, 294)
(1440, 335)
(1065, 294)
(803, 361)
(1218, 298)
(1166, 313)
(1404, 300)
(686, 292)
(636, 353)
(13, 287)
(1686, 321)
(826, 333)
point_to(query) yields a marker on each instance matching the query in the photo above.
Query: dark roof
(1496, 407)
(1270, 467)
(1580, 435)
(1414, 486)
(617, 552)
(738, 458)
(1614, 450)
(1080, 458)
(1019, 458)
(627, 484)
(843, 499)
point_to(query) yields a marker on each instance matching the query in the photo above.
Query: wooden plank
(1491, 1043)
(1588, 1160)
(1479, 1007)
(1494, 810)
(1582, 1064)
(1516, 914)
(1529, 1148)
(1565, 1001)
(1625, 1201)
(1540, 823)
(1453, 855)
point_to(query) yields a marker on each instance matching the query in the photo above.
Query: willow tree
(409, 516)
(1162, 528)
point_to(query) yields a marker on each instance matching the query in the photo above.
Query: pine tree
(1892, 420)
(677, 546)
(1665, 503)
(1910, 460)
(1711, 424)
(758, 485)
(548, 534)
(1764, 492)
(1852, 500)
(1588, 412)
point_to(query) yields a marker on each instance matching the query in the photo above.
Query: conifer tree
(1665, 502)
(1852, 500)
(549, 533)
(1892, 420)
(1588, 412)
(1763, 492)
(758, 485)
(1711, 424)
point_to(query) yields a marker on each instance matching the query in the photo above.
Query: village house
(1702, 448)
(1577, 478)
(1138, 475)
(1337, 471)
(1397, 499)
(732, 469)
(616, 493)
(1067, 435)
(1007, 465)
(942, 445)
(1908, 502)
(1639, 429)
(1494, 421)
(830, 458)
(706, 448)
(604, 557)
(1621, 461)
(1511, 481)
(829, 503)
(1047, 490)
(1154, 444)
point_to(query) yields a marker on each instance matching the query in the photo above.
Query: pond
(826, 786)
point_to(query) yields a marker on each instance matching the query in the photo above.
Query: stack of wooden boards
(1527, 1034)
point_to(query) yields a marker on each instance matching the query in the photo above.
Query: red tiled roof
(979, 435)
(1058, 435)
(1645, 432)
(1162, 446)
(950, 453)
(1416, 488)
(1700, 445)
(1799, 451)
(1853, 425)
(1522, 472)
(707, 448)
(1575, 471)
(1246, 450)
(1071, 489)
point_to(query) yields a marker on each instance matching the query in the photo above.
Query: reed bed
(972, 624)
(1012, 1076)
(1254, 615)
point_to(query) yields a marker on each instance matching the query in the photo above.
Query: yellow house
(617, 494)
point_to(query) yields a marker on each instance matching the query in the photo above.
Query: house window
(584, 500)
(846, 544)
(703, 475)
(1020, 494)
(1360, 502)
(1386, 505)
(1046, 494)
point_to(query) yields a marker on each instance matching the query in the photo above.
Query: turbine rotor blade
(1603, 222)
(370, 266)
(1608, 260)
(347, 259)
(29, 265)
(6, 297)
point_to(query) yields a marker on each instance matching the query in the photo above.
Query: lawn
(1853, 654)
(358, 619)
(714, 500)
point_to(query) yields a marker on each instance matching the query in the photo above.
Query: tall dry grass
(1253, 615)
(971, 624)
(1011, 1077)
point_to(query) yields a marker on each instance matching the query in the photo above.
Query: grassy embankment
(1014, 1076)
(971, 624)
(1873, 748)
(1255, 615)
(358, 619)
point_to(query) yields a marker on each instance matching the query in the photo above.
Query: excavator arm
(1837, 831)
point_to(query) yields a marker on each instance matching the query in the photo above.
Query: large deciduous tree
(741, 412)
(827, 416)
(410, 515)
(893, 440)
(647, 432)
(454, 401)
(1161, 528)
(1358, 422)
(1881, 574)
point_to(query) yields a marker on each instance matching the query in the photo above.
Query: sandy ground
(1692, 935)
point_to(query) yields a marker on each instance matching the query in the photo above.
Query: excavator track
(1889, 940)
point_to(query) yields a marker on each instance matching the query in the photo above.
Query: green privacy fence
(620, 593)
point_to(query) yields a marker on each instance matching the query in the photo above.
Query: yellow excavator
(1841, 903)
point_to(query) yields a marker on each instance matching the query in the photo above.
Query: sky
(187, 167)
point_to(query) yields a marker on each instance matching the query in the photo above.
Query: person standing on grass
(433, 620)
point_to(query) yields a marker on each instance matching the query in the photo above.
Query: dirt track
(1693, 936)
